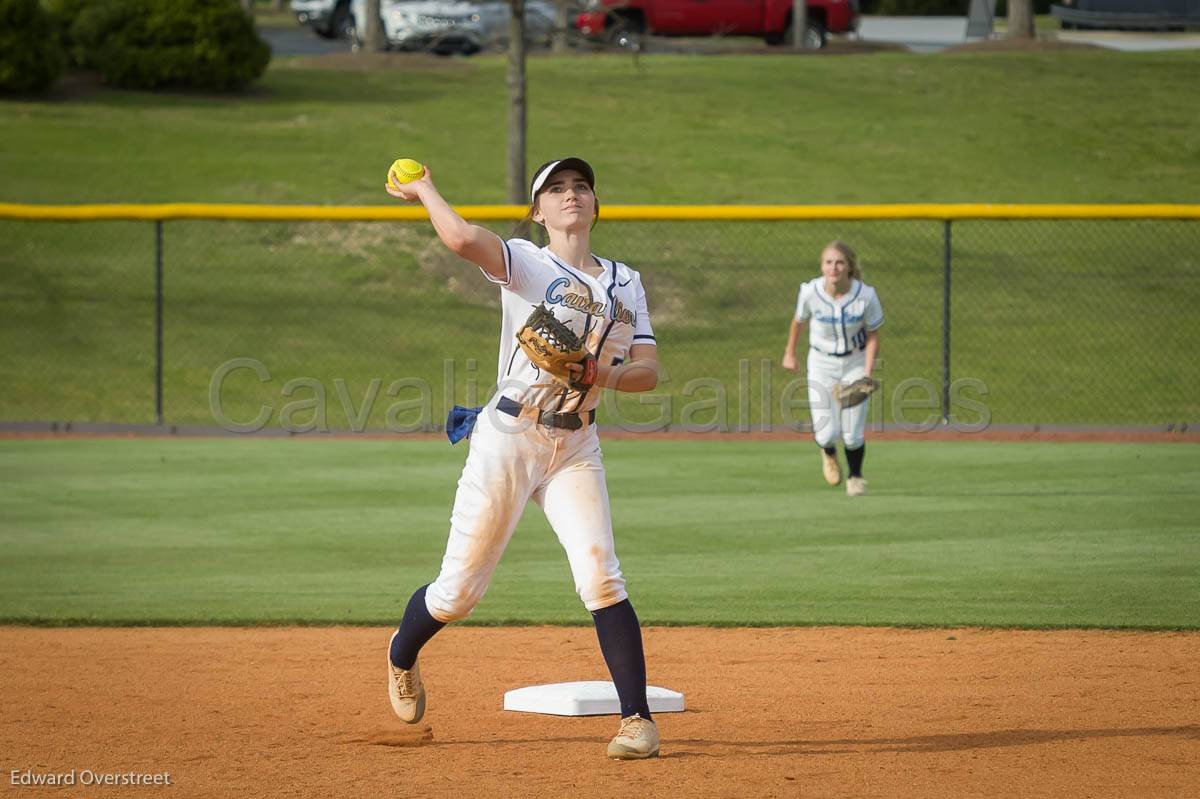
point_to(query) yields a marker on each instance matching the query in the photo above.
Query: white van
(453, 26)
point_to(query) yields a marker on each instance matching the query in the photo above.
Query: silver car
(330, 19)
(453, 26)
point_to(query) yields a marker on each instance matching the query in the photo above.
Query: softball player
(536, 439)
(843, 315)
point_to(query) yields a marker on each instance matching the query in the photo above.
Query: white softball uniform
(515, 458)
(837, 336)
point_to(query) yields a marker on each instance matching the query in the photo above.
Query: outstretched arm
(474, 243)
(789, 352)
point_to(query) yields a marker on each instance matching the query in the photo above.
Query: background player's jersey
(608, 310)
(838, 327)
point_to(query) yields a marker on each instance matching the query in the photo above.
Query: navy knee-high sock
(621, 643)
(854, 459)
(416, 629)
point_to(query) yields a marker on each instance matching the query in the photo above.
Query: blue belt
(567, 421)
(834, 354)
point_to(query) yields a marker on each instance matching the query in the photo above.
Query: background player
(536, 439)
(843, 315)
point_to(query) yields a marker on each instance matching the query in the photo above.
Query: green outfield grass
(280, 531)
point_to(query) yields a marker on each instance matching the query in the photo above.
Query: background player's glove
(850, 394)
(553, 347)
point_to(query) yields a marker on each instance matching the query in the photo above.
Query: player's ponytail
(851, 257)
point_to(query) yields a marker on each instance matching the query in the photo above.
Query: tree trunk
(277, 5)
(799, 24)
(1020, 19)
(248, 6)
(562, 25)
(372, 35)
(516, 104)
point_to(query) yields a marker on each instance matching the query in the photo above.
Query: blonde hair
(848, 253)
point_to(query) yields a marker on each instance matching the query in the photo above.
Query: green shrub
(31, 57)
(64, 13)
(153, 44)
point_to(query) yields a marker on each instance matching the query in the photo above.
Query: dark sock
(416, 629)
(854, 458)
(621, 642)
(830, 451)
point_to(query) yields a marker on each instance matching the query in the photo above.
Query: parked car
(1166, 15)
(624, 22)
(453, 26)
(330, 19)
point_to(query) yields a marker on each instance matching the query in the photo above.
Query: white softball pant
(829, 421)
(510, 462)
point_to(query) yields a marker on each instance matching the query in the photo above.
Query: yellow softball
(405, 170)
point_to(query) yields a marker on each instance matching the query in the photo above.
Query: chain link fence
(351, 325)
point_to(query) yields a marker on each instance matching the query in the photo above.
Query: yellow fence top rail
(641, 213)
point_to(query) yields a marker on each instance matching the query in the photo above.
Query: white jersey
(609, 311)
(838, 327)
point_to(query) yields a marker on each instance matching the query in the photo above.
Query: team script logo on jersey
(557, 294)
(847, 318)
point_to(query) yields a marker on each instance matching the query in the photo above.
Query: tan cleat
(406, 690)
(636, 740)
(830, 468)
(856, 487)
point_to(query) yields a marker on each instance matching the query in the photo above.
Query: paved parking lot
(917, 34)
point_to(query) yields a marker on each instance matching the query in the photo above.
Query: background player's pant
(829, 421)
(512, 461)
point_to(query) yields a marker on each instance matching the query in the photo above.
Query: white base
(586, 698)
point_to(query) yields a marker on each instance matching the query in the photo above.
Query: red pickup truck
(623, 22)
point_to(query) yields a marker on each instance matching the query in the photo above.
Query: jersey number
(860, 339)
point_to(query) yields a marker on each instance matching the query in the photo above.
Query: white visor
(543, 174)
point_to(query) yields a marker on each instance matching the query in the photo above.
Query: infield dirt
(771, 712)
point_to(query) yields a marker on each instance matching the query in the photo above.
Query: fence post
(158, 322)
(946, 322)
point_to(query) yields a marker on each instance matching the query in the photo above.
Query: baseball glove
(850, 394)
(553, 347)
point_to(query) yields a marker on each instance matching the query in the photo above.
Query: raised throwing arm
(476, 244)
